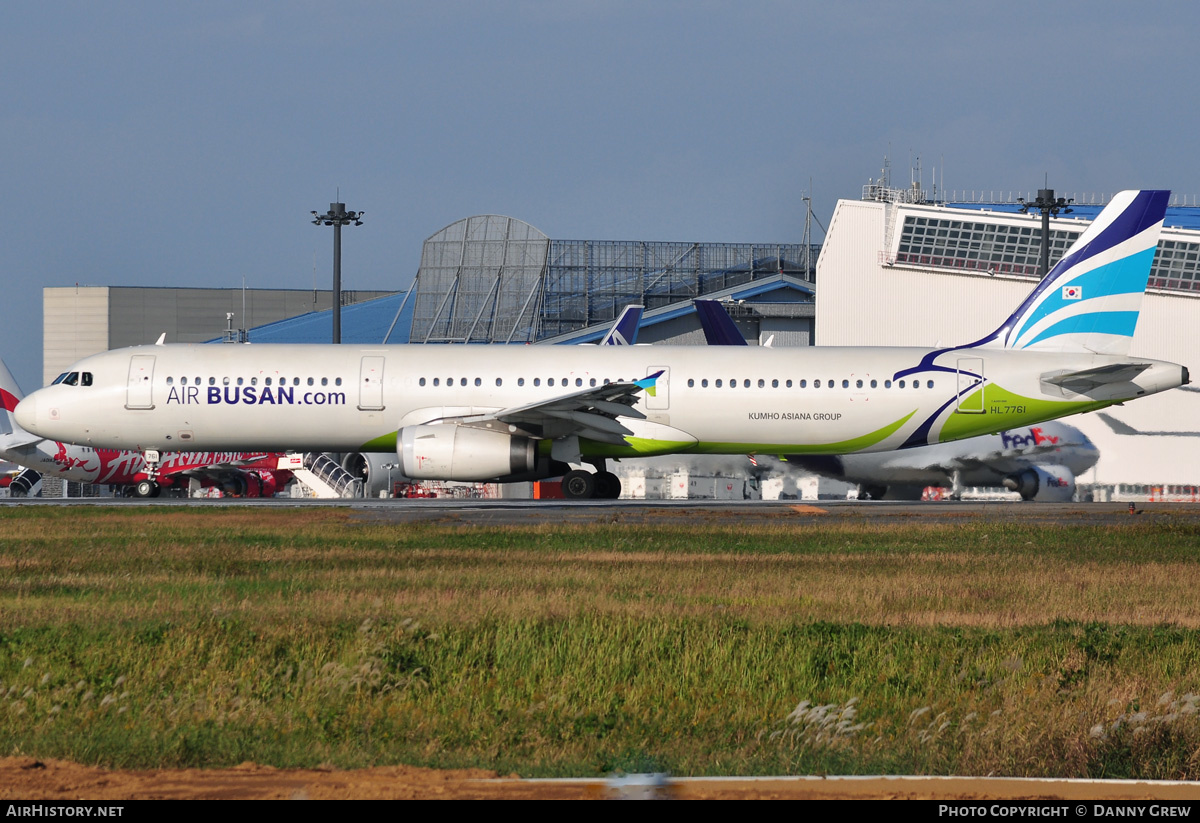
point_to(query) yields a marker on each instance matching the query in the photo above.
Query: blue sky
(184, 144)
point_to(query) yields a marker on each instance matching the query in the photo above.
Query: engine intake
(1054, 484)
(448, 451)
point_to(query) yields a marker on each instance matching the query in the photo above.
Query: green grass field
(148, 637)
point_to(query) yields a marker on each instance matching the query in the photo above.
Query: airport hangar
(896, 268)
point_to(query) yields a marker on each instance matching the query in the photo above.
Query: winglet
(162, 338)
(648, 382)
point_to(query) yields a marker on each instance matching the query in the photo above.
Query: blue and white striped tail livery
(1090, 300)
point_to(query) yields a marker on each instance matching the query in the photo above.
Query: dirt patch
(23, 778)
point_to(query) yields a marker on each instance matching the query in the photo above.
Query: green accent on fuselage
(645, 447)
(1008, 410)
(840, 447)
(382, 443)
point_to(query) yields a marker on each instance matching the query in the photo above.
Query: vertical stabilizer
(1090, 300)
(625, 331)
(10, 395)
(719, 328)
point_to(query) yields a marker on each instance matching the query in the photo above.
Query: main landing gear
(579, 484)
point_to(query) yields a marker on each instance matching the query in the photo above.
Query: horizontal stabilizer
(1085, 380)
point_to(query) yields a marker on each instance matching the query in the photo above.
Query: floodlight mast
(337, 216)
(1047, 205)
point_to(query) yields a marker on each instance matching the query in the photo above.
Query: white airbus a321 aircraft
(503, 413)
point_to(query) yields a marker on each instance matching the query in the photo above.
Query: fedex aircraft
(502, 413)
(252, 475)
(1040, 462)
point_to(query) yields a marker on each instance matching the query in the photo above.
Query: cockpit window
(59, 379)
(85, 378)
(72, 379)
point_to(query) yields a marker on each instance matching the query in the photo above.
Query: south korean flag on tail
(1072, 293)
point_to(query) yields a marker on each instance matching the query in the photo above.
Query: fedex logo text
(1017, 440)
(253, 396)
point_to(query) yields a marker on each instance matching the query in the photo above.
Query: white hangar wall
(868, 299)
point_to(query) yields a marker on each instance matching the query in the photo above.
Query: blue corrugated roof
(365, 322)
(1182, 217)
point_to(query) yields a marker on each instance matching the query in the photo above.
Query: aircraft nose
(26, 413)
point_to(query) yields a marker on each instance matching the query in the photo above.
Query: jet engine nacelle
(1046, 484)
(448, 451)
(372, 469)
(26, 484)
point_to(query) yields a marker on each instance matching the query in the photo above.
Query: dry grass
(297, 636)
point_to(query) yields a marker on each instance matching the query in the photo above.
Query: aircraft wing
(590, 413)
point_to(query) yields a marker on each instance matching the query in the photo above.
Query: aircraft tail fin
(719, 328)
(1090, 300)
(10, 395)
(625, 331)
